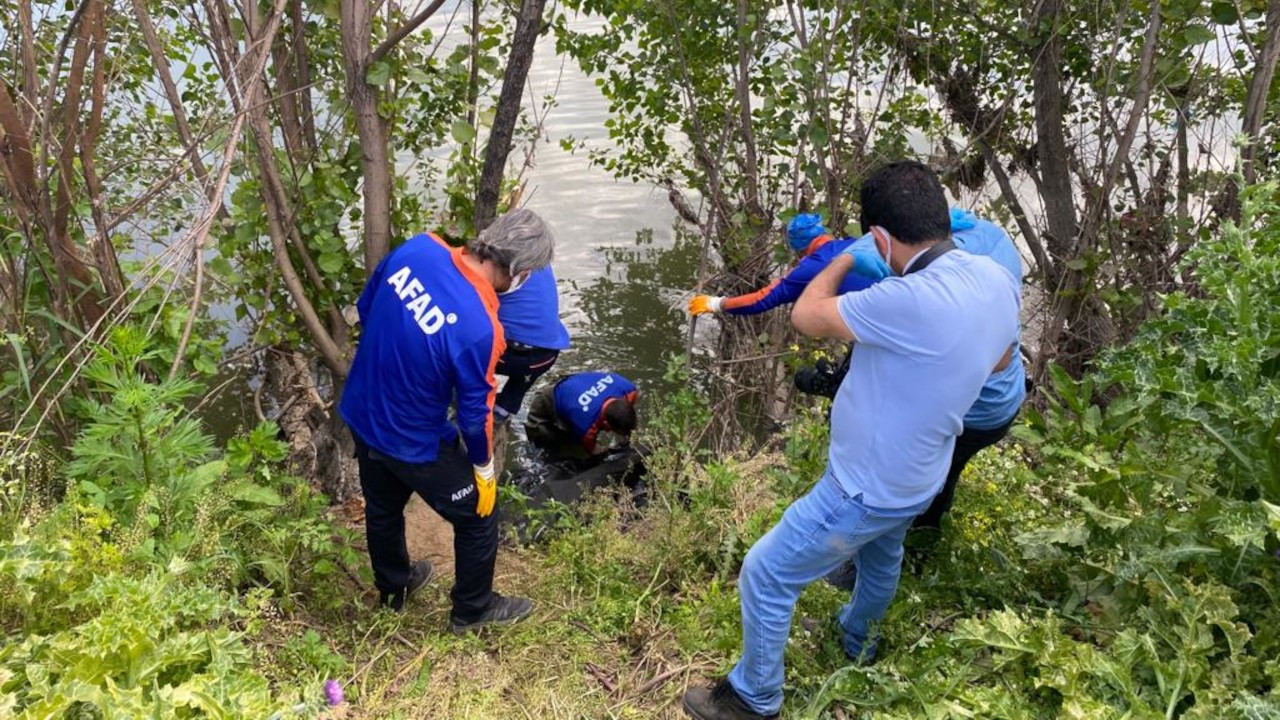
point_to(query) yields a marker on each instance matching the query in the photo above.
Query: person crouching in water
(430, 333)
(566, 419)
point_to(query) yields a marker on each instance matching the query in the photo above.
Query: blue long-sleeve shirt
(430, 337)
(1005, 391)
(531, 314)
(788, 288)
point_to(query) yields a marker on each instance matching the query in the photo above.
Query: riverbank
(633, 608)
(1116, 558)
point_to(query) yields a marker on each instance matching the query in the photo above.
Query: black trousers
(968, 443)
(522, 365)
(448, 486)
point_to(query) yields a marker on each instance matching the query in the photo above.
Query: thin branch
(1142, 95)
(161, 63)
(31, 81)
(742, 90)
(1010, 197)
(201, 230)
(403, 32)
(46, 112)
(104, 253)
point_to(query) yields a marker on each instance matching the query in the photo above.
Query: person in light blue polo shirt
(993, 413)
(925, 341)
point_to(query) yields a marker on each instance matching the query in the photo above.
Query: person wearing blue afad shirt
(567, 418)
(430, 335)
(814, 248)
(925, 341)
(530, 317)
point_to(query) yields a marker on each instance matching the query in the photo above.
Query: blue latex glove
(866, 259)
(962, 219)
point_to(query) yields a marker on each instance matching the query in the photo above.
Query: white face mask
(888, 252)
(516, 283)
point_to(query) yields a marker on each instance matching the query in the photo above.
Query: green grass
(634, 607)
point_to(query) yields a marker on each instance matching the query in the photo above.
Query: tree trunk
(320, 446)
(375, 158)
(1054, 158)
(1260, 91)
(528, 27)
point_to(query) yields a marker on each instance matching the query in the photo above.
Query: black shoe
(843, 577)
(502, 611)
(866, 659)
(721, 702)
(420, 574)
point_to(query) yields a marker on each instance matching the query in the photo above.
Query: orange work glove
(702, 304)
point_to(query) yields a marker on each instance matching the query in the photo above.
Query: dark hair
(620, 415)
(906, 199)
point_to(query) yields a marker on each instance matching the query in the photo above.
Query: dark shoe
(502, 611)
(843, 577)
(721, 702)
(869, 655)
(420, 574)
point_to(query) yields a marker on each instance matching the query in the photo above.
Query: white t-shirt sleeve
(884, 315)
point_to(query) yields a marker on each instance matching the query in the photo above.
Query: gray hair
(516, 242)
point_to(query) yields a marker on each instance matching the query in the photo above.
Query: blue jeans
(816, 534)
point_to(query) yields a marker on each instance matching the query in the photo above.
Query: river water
(621, 276)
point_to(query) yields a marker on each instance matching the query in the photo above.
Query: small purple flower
(332, 692)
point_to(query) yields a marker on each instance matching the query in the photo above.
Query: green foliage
(146, 462)
(149, 646)
(1155, 562)
(121, 598)
(668, 66)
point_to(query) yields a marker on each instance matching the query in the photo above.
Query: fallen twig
(603, 677)
(657, 682)
(367, 665)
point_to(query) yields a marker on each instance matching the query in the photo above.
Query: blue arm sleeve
(782, 292)
(476, 388)
(365, 303)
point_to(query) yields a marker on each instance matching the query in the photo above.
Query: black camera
(822, 379)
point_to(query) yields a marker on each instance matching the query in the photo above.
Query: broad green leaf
(331, 263)
(1224, 13)
(257, 495)
(1273, 516)
(379, 73)
(462, 132)
(1198, 35)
